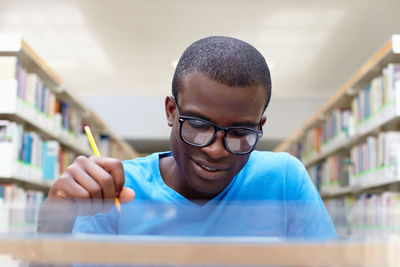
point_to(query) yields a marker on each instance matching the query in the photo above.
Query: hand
(87, 186)
(95, 180)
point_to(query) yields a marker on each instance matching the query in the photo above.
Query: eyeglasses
(200, 133)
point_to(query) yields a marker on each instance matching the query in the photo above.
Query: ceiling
(119, 55)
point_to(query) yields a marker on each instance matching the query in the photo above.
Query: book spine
(50, 160)
(19, 209)
(371, 214)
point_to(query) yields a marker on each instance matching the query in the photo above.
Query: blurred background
(119, 56)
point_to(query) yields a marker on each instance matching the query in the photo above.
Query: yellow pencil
(97, 153)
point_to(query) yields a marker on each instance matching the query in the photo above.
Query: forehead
(221, 103)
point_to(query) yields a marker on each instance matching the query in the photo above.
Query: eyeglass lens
(200, 133)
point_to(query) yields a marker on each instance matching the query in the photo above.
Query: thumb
(126, 195)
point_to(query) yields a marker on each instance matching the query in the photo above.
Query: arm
(307, 216)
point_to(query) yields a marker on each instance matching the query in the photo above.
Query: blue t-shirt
(271, 196)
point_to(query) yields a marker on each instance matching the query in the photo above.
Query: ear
(263, 120)
(170, 110)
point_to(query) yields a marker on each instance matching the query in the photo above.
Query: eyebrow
(200, 116)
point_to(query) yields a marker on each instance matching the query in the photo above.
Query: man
(211, 183)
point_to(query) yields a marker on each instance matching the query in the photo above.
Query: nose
(217, 149)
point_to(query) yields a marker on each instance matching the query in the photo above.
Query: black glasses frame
(182, 119)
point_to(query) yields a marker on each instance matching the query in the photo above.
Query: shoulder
(137, 164)
(269, 155)
(277, 166)
(142, 169)
(275, 161)
(270, 175)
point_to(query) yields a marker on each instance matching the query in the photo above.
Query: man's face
(208, 170)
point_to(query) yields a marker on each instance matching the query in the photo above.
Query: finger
(66, 188)
(127, 195)
(102, 177)
(95, 203)
(115, 168)
(86, 181)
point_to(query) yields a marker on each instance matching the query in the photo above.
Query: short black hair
(226, 60)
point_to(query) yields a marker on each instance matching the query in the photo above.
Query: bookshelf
(41, 122)
(351, 145)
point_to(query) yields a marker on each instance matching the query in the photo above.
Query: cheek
(240, 161)
(181, 154)
(178, 147)
(174, 138)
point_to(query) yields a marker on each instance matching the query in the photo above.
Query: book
(20, 208)
(371, 214)
(8, 67)
(392, 77)
(5, 131)
(50, 159)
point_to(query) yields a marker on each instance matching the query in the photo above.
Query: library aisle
(41, 133)
(351, 147)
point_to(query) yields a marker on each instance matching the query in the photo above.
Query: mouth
(209, 168)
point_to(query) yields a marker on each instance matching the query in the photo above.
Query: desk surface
(200, 251)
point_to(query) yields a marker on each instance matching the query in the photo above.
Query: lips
(210, 166)
(209, 171)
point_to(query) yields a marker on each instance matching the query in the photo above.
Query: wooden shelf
(390, 52)
(372, 180)
(63, 94)
(356, 190)
(101, 127)
(47, 126)
(46, 132)
(27, 183)
(387, 116)
(14, 45)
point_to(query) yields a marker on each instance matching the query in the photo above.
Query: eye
(200, 125)
(239, 132)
